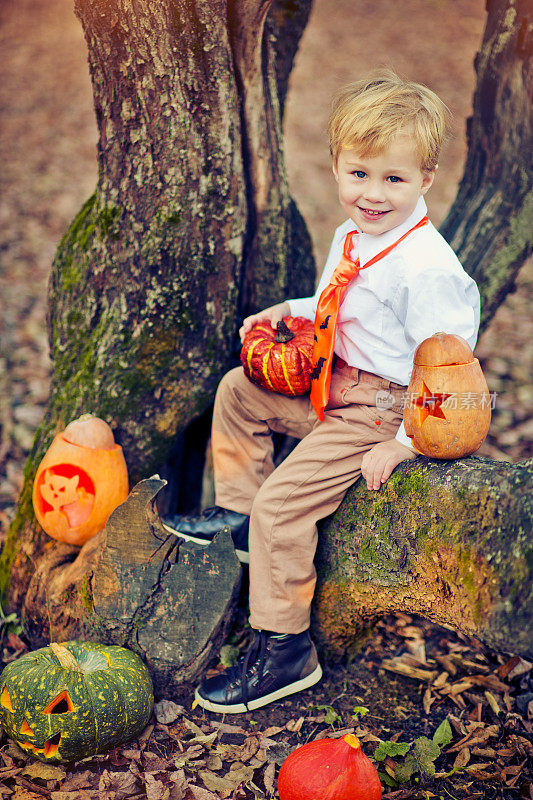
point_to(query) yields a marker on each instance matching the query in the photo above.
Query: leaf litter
(471, 741)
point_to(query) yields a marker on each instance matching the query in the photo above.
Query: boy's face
(380, 192)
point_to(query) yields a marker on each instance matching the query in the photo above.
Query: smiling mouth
(371, 212)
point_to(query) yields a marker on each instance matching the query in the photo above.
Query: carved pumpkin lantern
(336, 769)
(67, 702)
(281, 360)
(447, 414)
(80, 481)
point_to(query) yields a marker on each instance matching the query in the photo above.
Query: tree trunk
(490, 225)
(137, 586)
(191, 227)
(449, 540)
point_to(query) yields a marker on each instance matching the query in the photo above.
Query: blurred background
(48, 169)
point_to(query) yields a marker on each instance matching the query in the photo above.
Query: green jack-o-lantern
(66, 702)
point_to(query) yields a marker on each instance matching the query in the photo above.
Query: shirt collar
(370, 246)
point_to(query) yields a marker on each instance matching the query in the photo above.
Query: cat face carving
(59, 490)
(69, 498)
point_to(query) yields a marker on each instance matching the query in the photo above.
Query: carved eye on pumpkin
(61, 704)
(5, 700)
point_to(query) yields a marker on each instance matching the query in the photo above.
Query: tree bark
(137, 586)
(192, 226)
(490, 225)
(449, 540)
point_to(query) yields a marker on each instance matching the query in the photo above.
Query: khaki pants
(285, 503)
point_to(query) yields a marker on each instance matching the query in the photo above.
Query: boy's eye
(359, 173)
(394, 179)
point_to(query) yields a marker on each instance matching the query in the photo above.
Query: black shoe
(202, 528)
(275, 665)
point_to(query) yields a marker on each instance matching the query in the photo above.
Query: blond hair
(367, 115)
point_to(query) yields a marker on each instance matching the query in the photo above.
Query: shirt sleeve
(303, 307)
(437, 301)
(404, 439)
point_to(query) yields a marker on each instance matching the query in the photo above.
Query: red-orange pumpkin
(448, 408)
(281, 360)
(329, 769)
(80, 481)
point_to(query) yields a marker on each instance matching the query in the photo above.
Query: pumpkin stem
(353, 741)
(284, 333)
(65, 657)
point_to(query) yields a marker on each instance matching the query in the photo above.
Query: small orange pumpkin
(80, 481)
(448, 409)
(281, 360)
(336, 769)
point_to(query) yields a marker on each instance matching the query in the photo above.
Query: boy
(390, 281)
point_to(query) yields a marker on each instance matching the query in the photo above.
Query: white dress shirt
(416, 290)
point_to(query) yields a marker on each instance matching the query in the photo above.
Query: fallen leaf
(166, 711)
(272, 730)
(77, 780)
(269, 779)
(214, 762)
(225, 727)
(46, 772)
(427, 700)
(204, 738)
(278, 752)
(155, 789)
(295, 725)
(217, 783)
(193, 727)
(202, 794)
(504, 669)
(461, 760)
(520, 668)
(440, 680)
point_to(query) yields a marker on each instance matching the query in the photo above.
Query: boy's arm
(378, 463)
(437, 302)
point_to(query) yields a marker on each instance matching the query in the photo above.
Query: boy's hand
(274, 314)
(378, 463)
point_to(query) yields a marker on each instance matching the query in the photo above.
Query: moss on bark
(448, 540)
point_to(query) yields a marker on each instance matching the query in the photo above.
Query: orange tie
(327, 312)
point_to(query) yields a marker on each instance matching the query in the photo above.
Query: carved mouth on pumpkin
(49, 749)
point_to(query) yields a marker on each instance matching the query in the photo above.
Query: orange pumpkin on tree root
(80, 481)
(280, 360)
(448, 409)
(329, 769)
